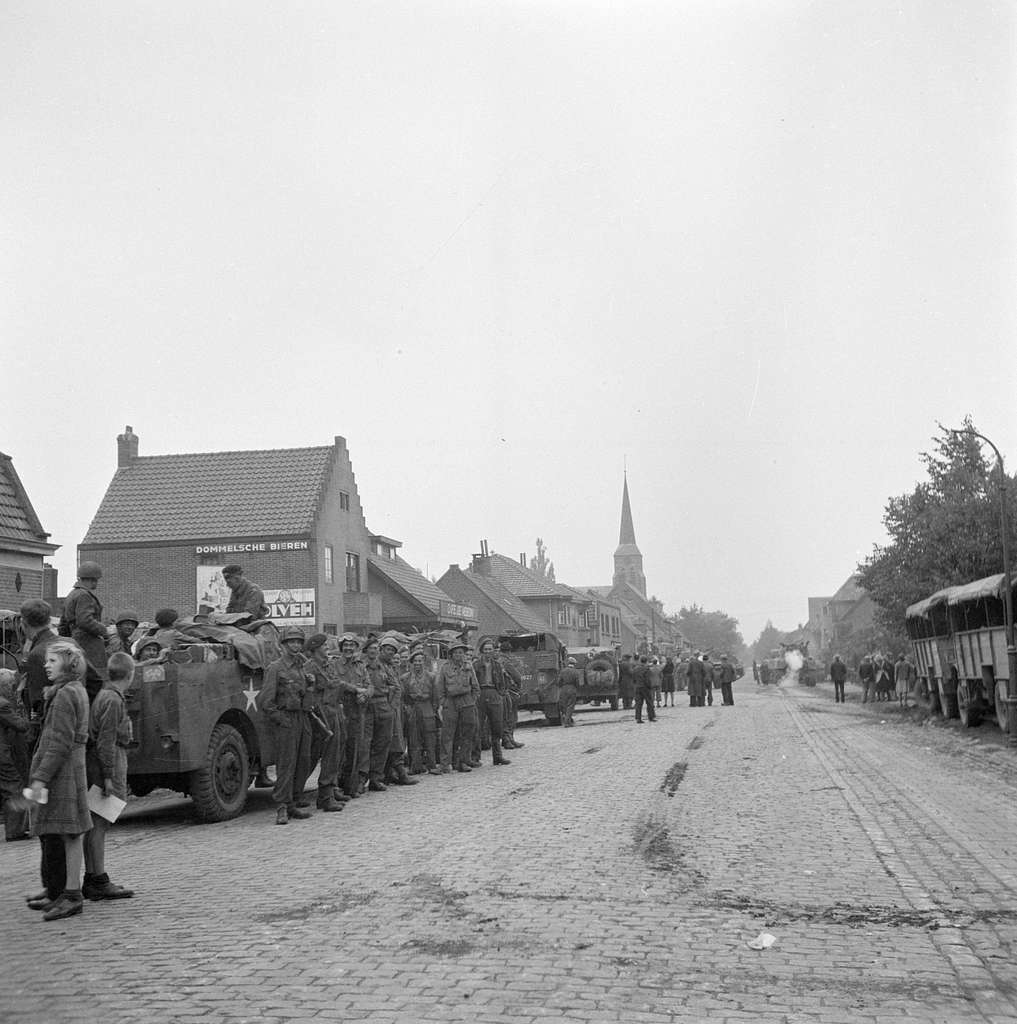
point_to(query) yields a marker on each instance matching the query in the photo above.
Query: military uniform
(458, 689)
(82, 622)
(491, 703)
(286, 700)
(379, 721)
(510, 705)
(643, 691)
(246, 597)
(328, 705)
(356, 762)
(569, 681)
(696, 674)
(420, 708)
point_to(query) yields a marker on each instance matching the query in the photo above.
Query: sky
(749, 253)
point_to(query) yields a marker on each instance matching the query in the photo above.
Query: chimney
(127, 447)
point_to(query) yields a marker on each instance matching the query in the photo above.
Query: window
(329, 577)
(352, 573)
(344, 502)
(330, 628)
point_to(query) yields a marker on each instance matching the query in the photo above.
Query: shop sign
(253, 546)
(288, 607)
(450, 610)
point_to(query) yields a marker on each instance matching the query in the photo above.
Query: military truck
(599, 667)
(537, 658)
(197, 718)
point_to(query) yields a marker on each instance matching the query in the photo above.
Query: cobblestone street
(614, 872)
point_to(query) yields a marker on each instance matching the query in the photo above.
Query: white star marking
(252, 698)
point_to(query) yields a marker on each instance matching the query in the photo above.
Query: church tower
(628, 560)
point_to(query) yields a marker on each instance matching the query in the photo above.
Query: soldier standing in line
(395, 762)
(420, 708)
(513, 691)
(458, 690)
(82, 622)
(244, 595)
(379, 718)
(491, 679)
(356, 692)
(569, 681)
(696, 674)
(286, 699)
(328, 705)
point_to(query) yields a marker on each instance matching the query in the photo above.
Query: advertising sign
(449, 610)
(286, 607)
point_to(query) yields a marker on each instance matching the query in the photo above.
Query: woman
(667, 685)
(59, 767)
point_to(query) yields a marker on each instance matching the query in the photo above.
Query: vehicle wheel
(219, 789)
(1001, 718)
(614, 703)
(552, 714)
(967, 707)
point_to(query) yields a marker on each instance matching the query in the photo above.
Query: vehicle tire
(614, 703)
(968, 707)
(1001, 719)
(552, 714)
(219, 789)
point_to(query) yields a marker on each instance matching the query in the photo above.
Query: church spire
(627, 533)
(628, 560)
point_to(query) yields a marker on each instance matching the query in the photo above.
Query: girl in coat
(59, 768)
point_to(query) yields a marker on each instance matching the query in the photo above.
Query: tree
(540, 564)
(710, 631)
(945, 532)
(768, 640)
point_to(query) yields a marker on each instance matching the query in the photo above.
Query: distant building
(628, 559)
(835, 619)
(24, 544)
(410, 602)
(291, 517)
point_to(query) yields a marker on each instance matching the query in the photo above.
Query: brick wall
(147, 578)
(31, 585)
(491, 617)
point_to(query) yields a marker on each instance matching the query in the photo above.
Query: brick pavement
(614, 872)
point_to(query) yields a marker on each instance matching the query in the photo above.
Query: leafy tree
(710, 631)
(945, 532)
(540, 564)
(769, 638)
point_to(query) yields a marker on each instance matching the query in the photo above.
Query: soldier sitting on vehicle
(167, 634)
(244, 595)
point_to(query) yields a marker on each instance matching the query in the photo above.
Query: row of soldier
(377, 715)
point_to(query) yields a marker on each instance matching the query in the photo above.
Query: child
(59, 767)
(109, 734)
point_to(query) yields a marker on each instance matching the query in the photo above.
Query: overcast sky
(754, 249)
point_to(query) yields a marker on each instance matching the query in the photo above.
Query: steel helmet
(291, 633)
(89, 571)
(349, 638)
(389, 641)
(458, 645)
(128, 615)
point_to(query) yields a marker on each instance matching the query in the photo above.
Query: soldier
(491, 706)
(379, 717)
(838, 673)
(127, 623)
(244, 595)
(420, 708)
(696, 674)
(395, 762)
(82, 622)
(328, 706)
(708, 679)
(643, 689)
(625, 681)
(867, 677)
(726, 677)
(286, 699)
(458, 690)
(569, 681)
(356, 691)
(510, 705)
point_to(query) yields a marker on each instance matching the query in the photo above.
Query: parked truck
(537, 658)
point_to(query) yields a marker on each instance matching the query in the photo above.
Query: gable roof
(508, 601)
(212, 494)
(19, 524)
(850, 590)
(412, 583)
(519, 580)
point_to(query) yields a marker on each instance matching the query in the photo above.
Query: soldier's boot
(327, 801)
(435, 770)
(262, 781)
(338, 794)
(376, 785)
(99, 887)
(497, 756)
(282, 816)
(403, 776)
(300, 813)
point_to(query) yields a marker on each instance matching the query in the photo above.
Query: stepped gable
(212, 494)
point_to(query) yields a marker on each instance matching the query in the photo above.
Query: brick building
(24, 544)
(291, 517)
(498, 610)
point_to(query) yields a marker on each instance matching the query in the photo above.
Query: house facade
(291, 517)
(24, 544)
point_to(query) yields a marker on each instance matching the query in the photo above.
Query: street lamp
(1011, 649)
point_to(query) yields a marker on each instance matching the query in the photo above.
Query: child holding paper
(109, 734)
